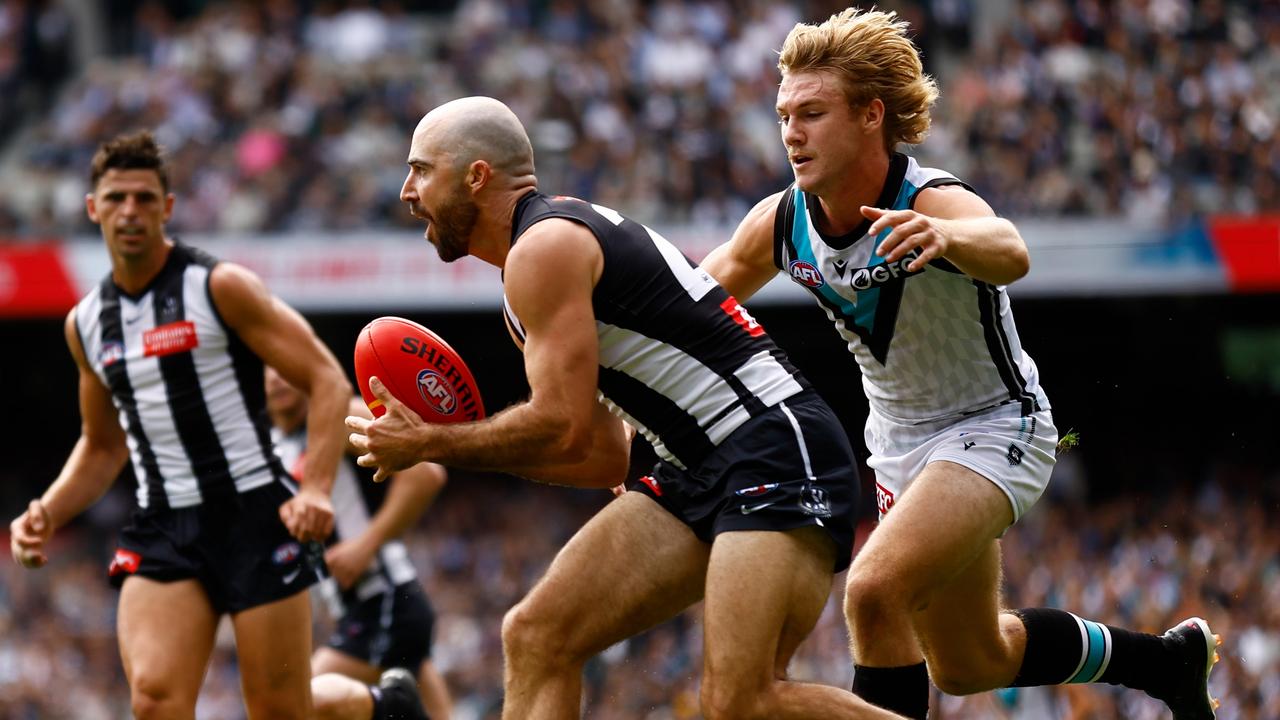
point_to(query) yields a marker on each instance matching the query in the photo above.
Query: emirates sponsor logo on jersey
(168, 339)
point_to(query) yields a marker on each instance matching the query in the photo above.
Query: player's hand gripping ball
(420, 370)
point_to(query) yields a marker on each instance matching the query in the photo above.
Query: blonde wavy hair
(871, 53)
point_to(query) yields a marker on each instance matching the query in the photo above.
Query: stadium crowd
(291, 116)
(1142, 560)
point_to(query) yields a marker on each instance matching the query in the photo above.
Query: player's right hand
(28, 533)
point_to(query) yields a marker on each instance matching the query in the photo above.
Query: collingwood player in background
(170, 348)
(384, 622)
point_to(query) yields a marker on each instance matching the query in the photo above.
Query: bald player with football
(752, 503)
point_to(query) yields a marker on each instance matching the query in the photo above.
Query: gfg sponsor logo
(877, 275)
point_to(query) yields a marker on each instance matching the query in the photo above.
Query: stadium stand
(1147, 110)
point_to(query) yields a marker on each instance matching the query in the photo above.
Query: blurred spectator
(293, 116)
(1138, 561)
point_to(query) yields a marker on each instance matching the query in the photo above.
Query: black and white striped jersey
(354, 505)
(189, 391)
(680, 359)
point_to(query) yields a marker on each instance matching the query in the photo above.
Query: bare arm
(409, 493)
(953, 223)
(605, 465)
(91, 468)
(745, 264)
(283, 339)
(549, 279)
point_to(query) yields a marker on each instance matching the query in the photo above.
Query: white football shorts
(1016, 453)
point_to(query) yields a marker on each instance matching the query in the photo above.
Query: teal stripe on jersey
(802, 244)
(905, 193)
(1095, 652)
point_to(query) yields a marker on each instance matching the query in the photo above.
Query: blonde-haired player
(911, 266)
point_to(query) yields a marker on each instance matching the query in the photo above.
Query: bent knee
(535, 634)
(966, 678)
(876, 592)
(725, 700)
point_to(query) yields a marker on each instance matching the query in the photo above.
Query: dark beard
(452, 229)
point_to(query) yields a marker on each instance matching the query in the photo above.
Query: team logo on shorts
(813, 500)
(884, 499)
(1015, 454)
(286, 553)
(124, 561)
(437, 392)
(653, 484)
(755, 490)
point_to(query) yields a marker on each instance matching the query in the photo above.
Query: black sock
(390, 705)
(379, 709)
(904, 690)
(1057, 652)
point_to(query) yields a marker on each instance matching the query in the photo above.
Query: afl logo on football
(806, 274)
(437, 392)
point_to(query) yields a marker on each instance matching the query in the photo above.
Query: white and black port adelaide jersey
(680, 359)
(189, 391)
(932, 345)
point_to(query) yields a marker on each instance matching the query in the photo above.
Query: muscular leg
(972, 646)
(941, 531)
(765, 591)
(273, 646)
(166, 633)
(629, 568)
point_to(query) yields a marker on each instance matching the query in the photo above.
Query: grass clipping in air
(1069, 440)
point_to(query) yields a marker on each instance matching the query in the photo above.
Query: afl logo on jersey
(110, 354)
(437, 392)
(806, 274)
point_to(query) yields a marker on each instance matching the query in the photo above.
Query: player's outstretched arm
(283, 339)
(409, 493)
(605, 465)
(91, 468)
(953, 223)
(549, 278)
(745, 263)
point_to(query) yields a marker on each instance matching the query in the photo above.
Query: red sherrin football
(420, 370)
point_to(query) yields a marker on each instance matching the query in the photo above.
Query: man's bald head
(475, 128)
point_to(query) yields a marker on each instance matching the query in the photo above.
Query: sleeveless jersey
(933, 345)
(188, 390)
(680, 359)
(354, 504)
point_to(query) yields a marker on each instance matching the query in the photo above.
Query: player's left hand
(390, 443)
(347, 561)
(308, 515)
(911, 230)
